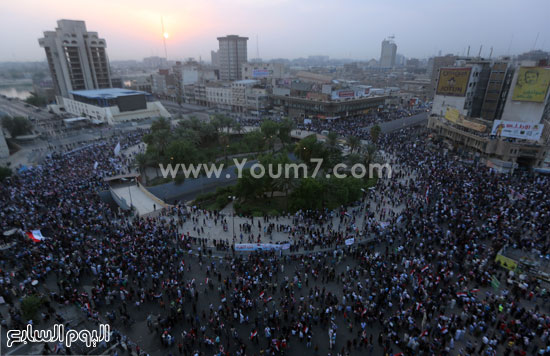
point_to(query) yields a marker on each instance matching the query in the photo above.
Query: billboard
(346, 94)
(453, 81)
(514, 129)
(453, 115)
(261, 73)
(532, 84)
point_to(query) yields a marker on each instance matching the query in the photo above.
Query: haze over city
(284, 28)
(275, 177)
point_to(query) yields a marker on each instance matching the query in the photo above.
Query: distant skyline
(285, 28)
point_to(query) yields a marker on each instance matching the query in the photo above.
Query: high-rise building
(435, 64)
(77, 58)
(215, 59)
(388, 53)
(231, 55)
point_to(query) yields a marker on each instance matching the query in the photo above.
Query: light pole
(232, 197)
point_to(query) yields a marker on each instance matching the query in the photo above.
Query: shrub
(30, 305)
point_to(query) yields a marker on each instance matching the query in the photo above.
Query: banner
(514, 129)
(261, 247)
(261, 73)
(532, 84)
(453, 81)
(454, 115)
(350, 241)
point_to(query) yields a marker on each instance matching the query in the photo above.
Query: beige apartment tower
(77, 58)
(231, 56)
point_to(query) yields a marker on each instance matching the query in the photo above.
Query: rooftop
(108, 93)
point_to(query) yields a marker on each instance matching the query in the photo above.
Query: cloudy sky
(284, 28)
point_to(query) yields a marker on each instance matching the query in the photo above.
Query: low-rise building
(113, 105)
(258, 71)
(219, 96)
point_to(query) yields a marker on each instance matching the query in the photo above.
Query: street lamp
(232, 197)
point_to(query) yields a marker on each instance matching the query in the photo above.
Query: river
(11, 92)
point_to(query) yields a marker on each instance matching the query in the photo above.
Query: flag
(35, 235)
(117, 149)
(461, 294)
(424, 269)
(427, 193)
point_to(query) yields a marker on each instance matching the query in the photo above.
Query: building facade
(77, 59)
(388, 54)
(513, 127)
(113, 105)
(232, 54)
(300, 108)
(260, 71)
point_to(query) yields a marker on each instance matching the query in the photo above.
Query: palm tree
(237, 128)
(140, 163)
(354, 142)
(332, 139)
(375, 133)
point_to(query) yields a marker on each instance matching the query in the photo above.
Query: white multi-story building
(231, 56)
(77, 58)
(220, 96)
(113, 105)
(388, 54)
(241, 89)
(456, 89)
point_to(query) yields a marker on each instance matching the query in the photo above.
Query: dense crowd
(421, 286)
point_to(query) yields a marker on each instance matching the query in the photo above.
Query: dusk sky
(285, 28)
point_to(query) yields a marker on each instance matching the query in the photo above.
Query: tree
(254, 140)
(332, 139)
(160, 124)
(223, 139)
(269, 129)
(30, 306)
(17, 126)
(285, 128)
(140, 162)
(249, 187)
(183, 152)
(309, 148)
(238, 128)
(308, 195)
(354, 142)
(5, 172)
(375, 133)
(36, 100)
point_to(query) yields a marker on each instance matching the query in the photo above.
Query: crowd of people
(419, 285)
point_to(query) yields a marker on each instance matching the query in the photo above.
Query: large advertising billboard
(514, 129)
(532, 84)
(453, 81)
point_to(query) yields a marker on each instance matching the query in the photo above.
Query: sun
(166, 35)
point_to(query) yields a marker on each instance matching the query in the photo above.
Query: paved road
(404, 122)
